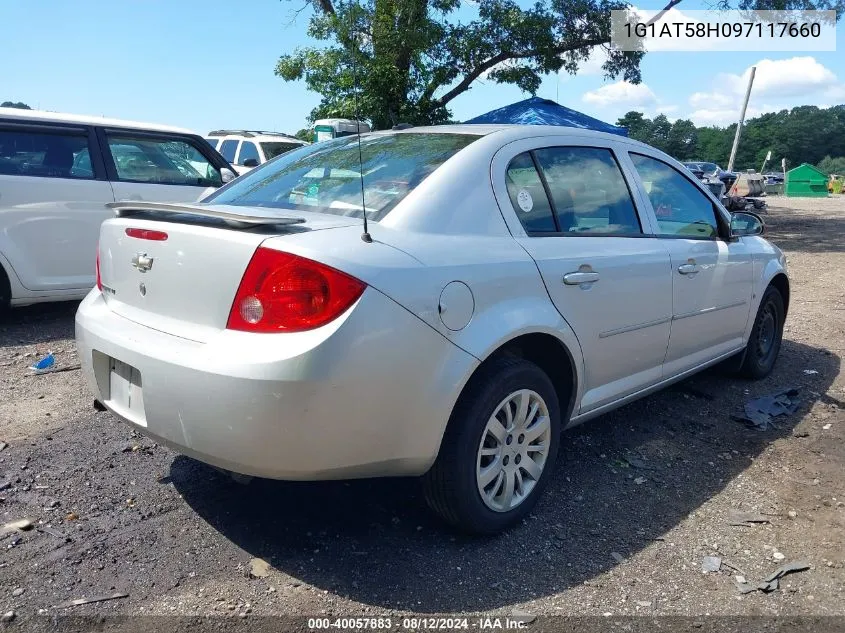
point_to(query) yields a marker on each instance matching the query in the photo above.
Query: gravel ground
(639, 498)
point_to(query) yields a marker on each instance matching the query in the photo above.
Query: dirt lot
(116, 513)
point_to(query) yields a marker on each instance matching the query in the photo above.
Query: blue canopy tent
(537, 111)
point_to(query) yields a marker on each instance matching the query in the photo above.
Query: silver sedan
(512, 281)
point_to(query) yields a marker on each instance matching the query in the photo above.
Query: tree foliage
(305, 134)
(410, 58)
(15, 104)
(832, 165)
(805, 134)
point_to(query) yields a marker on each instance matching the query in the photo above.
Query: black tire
(450, 487)
(5, 292)
(764, 343)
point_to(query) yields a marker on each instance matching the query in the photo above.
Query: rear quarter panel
(508, 295)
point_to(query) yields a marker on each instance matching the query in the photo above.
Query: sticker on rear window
(524, 200)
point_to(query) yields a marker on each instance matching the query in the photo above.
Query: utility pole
(766, 160)
(741, 119)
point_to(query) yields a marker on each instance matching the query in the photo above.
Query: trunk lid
(185, 284)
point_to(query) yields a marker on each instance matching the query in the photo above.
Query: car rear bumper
(368, 395)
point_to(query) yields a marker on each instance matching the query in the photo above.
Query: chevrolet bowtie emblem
(142, 262)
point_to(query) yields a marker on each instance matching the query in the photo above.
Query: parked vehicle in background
(709, 173)
(58, 172)
(774, 178)
(499, 297)
(247, 149)
(327, 129)
(712, 170)
(696, 169)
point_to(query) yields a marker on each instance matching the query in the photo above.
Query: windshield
(326, 177)
(277, 148)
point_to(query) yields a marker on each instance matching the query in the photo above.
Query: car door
(158, 167)
(570, 207)
(711, 272)
(53, 192)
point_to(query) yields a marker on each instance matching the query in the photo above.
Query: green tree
(409, 59)
(660, 128)
(713, 145)
(682, 140)
(15, 104)
(639, 127)
(305, 134)
(832, 165)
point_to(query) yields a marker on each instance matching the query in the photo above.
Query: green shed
(805, 181)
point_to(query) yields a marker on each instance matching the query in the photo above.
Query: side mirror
(227, 175)
(744, 223)
(251, 162)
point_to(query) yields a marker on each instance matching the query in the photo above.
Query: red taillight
(281, 292)
(147, 234)
(99, 281)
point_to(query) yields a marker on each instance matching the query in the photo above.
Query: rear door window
(528, 196)
(228, 148)
(588, 191)
(161, 161)
(248, 150)
(48, 154)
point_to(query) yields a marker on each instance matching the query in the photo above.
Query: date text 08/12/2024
(420, 623)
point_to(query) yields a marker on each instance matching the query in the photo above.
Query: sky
(208, 64)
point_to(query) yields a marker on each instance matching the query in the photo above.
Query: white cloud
(782, 78)
(711, 100)
(720, 117)
(621, 93)
(666, 109)
(785, 83)
(593, 65)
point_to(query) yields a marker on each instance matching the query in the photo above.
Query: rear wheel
(764, 343)
(499, 449)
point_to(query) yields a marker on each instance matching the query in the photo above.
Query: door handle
(688, 269)
(576, 279)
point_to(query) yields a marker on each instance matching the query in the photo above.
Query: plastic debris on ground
(810, 372)
(45, 364)
(760, 412)
(771, 582)
(80, 601)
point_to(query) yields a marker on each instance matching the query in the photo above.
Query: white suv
(58, 172)
(246, 149)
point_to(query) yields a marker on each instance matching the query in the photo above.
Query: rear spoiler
(255, 216)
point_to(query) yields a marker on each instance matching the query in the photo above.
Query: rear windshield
(326, 177)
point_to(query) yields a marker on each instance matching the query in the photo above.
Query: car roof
(260, 138)
(258, 135)
(505, 133)
(60, 117)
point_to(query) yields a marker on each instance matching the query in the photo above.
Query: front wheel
(5, 292)
(499, 448)
(763, 346)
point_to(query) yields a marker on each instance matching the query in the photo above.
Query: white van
(58, 171)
